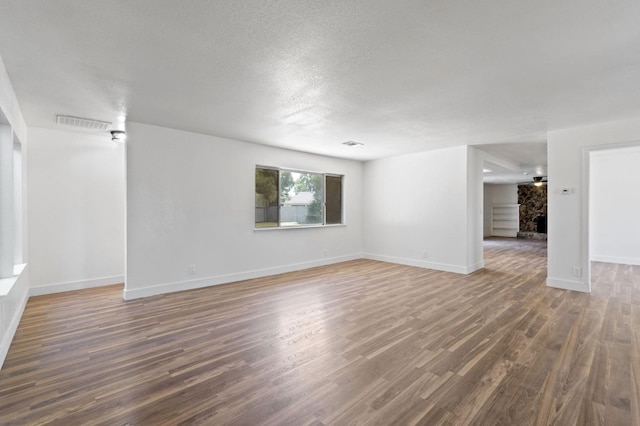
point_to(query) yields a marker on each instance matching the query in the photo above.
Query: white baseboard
(75, 285)
(136, 293)
(568, 284)
(614, 259)
(458, 269)
(13, 326)
(475, 267)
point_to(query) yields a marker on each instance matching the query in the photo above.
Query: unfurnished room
(319, 213)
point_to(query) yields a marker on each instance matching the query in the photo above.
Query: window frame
(12, 191)
(324, 223)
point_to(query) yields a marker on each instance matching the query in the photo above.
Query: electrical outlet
(424, 254)
(576, 271)
(192, 269)
(325, 252)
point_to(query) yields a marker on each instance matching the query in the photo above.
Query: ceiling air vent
(85, 123)
(352, 143)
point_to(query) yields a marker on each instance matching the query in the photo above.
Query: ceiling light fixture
(352, 143)
(537, 181)
(118, 135)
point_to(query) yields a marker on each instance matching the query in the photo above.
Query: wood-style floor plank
(360, 342)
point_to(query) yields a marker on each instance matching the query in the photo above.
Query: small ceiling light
(486, 170)
(537, 180)
(118, 135)
(352, 143)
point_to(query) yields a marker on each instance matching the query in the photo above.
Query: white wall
(475, 202)
(14, 291)
(76, 210)
(614, 206)
(10, 106)
(568, 153)
(497, 194)
(415, 210)
(190, 201)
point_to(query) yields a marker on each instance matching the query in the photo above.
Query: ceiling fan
(537, 181)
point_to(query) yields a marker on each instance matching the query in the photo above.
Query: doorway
(613, 209)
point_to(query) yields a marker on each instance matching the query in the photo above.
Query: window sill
(6, 284)
(280, 228)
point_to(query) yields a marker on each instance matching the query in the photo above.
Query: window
(267, 198)
(333, 200)
(292, 198)
(11, 213)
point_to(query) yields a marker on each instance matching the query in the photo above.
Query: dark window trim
(324, 199)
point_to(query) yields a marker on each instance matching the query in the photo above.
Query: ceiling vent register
(85, 123)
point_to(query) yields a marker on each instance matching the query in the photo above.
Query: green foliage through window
(287, 198)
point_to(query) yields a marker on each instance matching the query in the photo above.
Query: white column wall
(415, 210)
(475, 201)
(568, 152)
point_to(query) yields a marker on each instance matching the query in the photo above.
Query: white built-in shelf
(505, 220)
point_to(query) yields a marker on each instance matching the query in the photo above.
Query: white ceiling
(514, 163)
(401, 76)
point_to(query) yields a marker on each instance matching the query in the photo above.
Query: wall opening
(6, 200)
(18, 206)
(613, 205)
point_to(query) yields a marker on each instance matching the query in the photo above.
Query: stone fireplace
(533, 211)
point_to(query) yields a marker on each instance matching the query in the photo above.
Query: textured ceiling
(401, 76)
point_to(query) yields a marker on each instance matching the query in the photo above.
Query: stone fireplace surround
(533, 205)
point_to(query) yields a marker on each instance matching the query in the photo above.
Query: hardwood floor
(359, 342)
